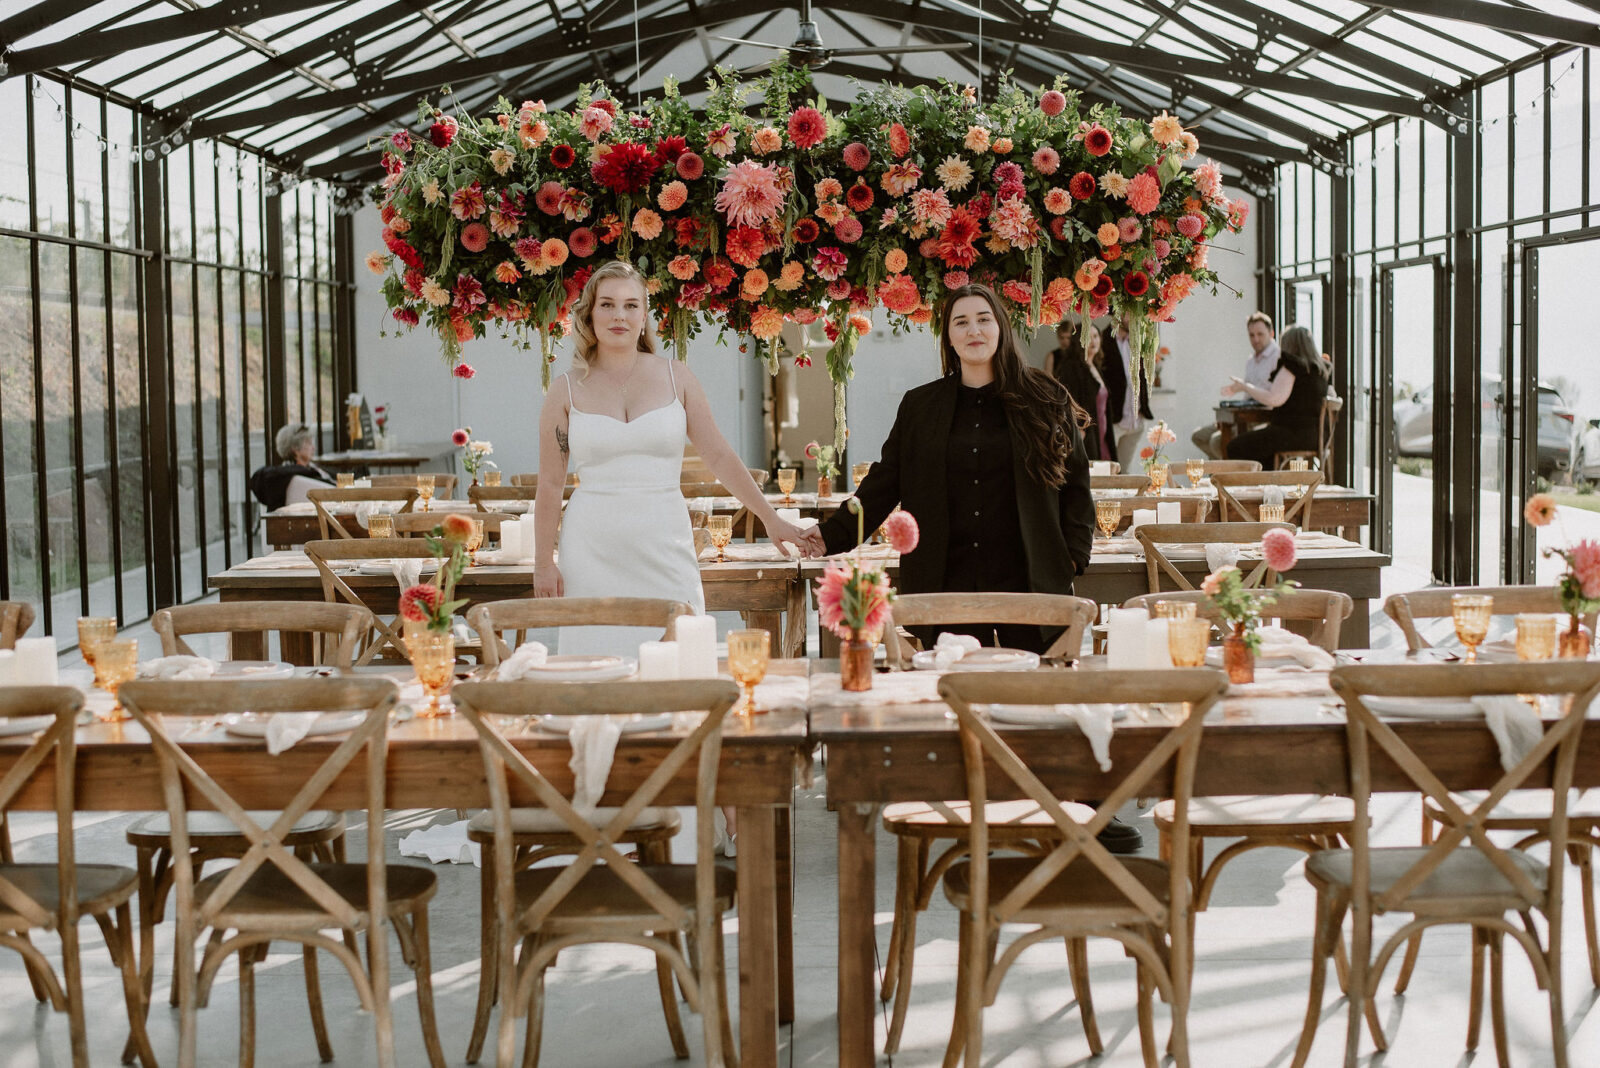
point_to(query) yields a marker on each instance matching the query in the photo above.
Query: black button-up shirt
(986, 552)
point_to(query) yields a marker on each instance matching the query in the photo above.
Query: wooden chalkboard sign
(358, 421)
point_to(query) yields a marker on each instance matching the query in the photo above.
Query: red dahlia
(1102, 288)
(859, 196)
(668, 149)
(627, 168)
(607, 106)
(1136, 284)
(562, 156)
(1097, 141)
(807, 127)
(745, 246)
(1082, 186)
(806, 231)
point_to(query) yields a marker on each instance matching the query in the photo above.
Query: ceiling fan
(809, 51)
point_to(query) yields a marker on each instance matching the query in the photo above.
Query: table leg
(1357, 632)
(758, 939)
(248, 645)
(794, 623)
(857, 934)
(783, 829)
(296, 647)
(771, 622)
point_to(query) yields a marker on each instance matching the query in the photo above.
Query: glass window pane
(1435, 180)
(205, 201)
(1566, 141)
(1408, 162)
(119, 191)
(228, 220)
(1496, 137)
(1528, 129)
(50, 158)
(130, 437)
(324, 387)
(1383, 170)
(98, 488)
(89, 206)
(180, 237)
(1361, 209)
(248, 169)
(191, 579)
(60, 434)
(14, 165)
(208, 415)
(294, 344)
(24, 550)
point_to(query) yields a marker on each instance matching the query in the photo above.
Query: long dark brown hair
(1039, 407)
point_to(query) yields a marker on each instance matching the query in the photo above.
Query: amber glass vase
(824, 486)
(855, 663)
(1575, 642)
(1237, 657)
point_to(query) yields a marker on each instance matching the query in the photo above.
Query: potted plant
(853, 599)
(827, 467)
(1240, 608)
(474, 454)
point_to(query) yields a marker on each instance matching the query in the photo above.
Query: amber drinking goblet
(1471, 612)
(1158, 476)
(859, 472)
(1187, 639)
(1272, 513)
(1536, 637)
(1108, 513)
(748, 653)
(94, 631)
(115, 662)
(1175, 610)
(1299, 463)
(491, 478)
(380, 525)
(1194, 471)
(786, 483)
(344, 480)
(474, 543)
(425, 487)
(433, 656)
(720, 527)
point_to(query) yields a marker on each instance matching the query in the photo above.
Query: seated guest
(276, 485)
(1263, 360)
(1295, 391)
(1078, 369)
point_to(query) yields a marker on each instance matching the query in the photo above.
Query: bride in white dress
(619, 418)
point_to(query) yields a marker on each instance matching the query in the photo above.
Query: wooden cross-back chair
(1322, 455)
(1191, 509)
(519, 615)
(1324, 610)
(1137, 483)
(1077, 889)
(1296, 510)
(1434, 603)
(272, 894)
(1039, 609)
(330, 526)
(339, 627)
(1154, 536)
(444, 486)
(15, 619)
(531, 482)
(385, 634)
(421, 524)
(602, 896)
(1463, 877)
(55, 896)
(482, 496)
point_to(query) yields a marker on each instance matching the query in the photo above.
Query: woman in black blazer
(990, 460)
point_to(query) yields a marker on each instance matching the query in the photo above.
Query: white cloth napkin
(952, 647)
(1514, 724)
(284, 729)
(1220, 555)
(500, 558)
(1095, 723)
(406, 571)
(1272, 495)
(528, 657)
(365, 508)
(444, 843)
(1141, 516)
(178, 668)
(1277, 642)
(594, 743)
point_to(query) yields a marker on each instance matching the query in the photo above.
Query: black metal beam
(39, 17)
(98, 45)
(160, 457)
(1505, 19)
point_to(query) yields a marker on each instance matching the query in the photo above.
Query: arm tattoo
(561, 441)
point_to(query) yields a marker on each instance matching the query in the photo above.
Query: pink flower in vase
(459, 438)
(830, 600)
(1584, 559)
(419, 601)
(901, 530)
(1277, 549)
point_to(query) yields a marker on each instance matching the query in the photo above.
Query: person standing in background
(1079, 370)
(1127, 400)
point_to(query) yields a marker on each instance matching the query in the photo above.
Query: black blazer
(1057, 523)
(1073, 373)
(1116, 377)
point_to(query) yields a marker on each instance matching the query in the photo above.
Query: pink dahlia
(1161, 247)
(647, 224)
(468, 202)
(475, 237)
(406, 316)
(1238, 214)
(956, 279)
(1540, 511)
(829, 263)
(548, 198)
(464, 371)
(901, 529)
(1128, 229)
(468, 293)
(1585, 560)
(1046, 160)
(1057, 201)
(595, 124)
(1053, 103)
(582, 242)
(931, 208)
(690, 166)
(1190, 225)
(1213, 582)
(899, 294)
(807, 127)
(750, 194)
(401, 140)
(1144, 193)
(1208, 179)
(672, 196)
(848, 230)
(857, 156)
(418, 602)
(1097, 140)
(1277, 549)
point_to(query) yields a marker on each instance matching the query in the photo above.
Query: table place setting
(280, 560)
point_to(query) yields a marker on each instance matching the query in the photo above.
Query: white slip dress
(626, 531)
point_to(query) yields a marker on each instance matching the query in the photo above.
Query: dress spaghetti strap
(572, 396)
(672, 377)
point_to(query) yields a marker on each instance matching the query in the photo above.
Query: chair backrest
(1296, 510)
(1326, 610)
(155, 705)
(479, 494)
(1556, 752)
(421, 524)
(444, 486)
(1118, 482)
(1434, 603)
(1152, 536)
(485, 703)
(15, 619)
(1231, 467)
(984, 749)
(495, 618)
(710, 487)
(63, 703)
(342, 626)
(1191, 509)
(1039, 609)
(332, 528)
(325, 554)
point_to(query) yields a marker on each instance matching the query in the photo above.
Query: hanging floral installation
(751, 216)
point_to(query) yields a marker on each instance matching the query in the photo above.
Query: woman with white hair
(275, 486)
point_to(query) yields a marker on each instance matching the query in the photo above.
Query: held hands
(807, 539)
(1235, 385)
(547, 581)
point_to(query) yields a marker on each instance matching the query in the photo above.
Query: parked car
(1586, 453)
(1556, 449)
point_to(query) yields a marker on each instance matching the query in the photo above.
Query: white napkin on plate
(594, 743)
(528, 657)
(443, 843)
(1513, 722)
(406, 571)
(1220, 555)
(178, 668)
(952, 647)
(1277, 642)
(284, 729)
(1095, 723)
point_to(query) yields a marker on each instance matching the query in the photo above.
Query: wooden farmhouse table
(1235, 419)
(411, 457)
(882, 754)
(756, 581)
(436, 763)
(296, 524)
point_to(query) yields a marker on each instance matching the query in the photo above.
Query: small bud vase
(855, 664)
(824, 486)
(1237, 656)
(1575, 642)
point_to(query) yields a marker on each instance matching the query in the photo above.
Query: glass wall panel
(59, 463)
(1408, 161)
(14, 165)
(1494, 141)
(96, 432)
(1567, 135)
(51, 190)
(180, 206)
(137, 598)
(1568, 387)
(1527, 129)
(87, 187)
(1383, 185)
(191, 576)
(1435, 181)
(24, 547)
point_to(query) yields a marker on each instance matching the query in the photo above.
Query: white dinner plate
(979, 660)
(1043, 715)
(253, 669)
(574, 668)
(10, 728)
(254, 724)
(1424, 707)
(633, 725)
(386, 567)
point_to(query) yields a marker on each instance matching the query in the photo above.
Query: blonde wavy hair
(583, 311)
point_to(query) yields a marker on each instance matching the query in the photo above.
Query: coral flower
(456, 527)
(1002, 146)
(690, 166)
(900, 178)
(1128, 229)
(766, 141)
(1144, 193)
(721, 141)
(977, 139)
(1277, 549)
(899, 294)
(1057, 201)
(754, 283)
(807, 127)
(1053, 103)
(829, 188)
(848, 230)
(859, 197)
(794, 273)
(1082, 185)
(1541, 509)
(750, 194)
(464, 371)
(533, 134)
(1188, 144)
(1046, 160)
(419, 601)
(1213, 582)
(672, 196)
(468, 202)
(857, 156)
(554, 252)
(956, 279)
(901, 530)
(547, 198)
(595, 124)
(831, 211)
(899, 140)
(745, 244)
(895, 260)
(1584, 558)
(766, 323)
(647, 224)
(475, 237)
(1208, 179)
(683, 268)
(1190, 225)
(582, 242)
(505, 272)
(1097, 140)
(931, 207)
(1165, 129)
(377, 262)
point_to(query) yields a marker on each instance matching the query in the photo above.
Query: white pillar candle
(8, 668)
(1125, 637)
(1169, 512)
(1099, 467)
(528, 542)
(510, 541)
(1156, 650)
(658, 660)
(1142, 516)
(789, 515)
(697, 647)
(35, 662)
